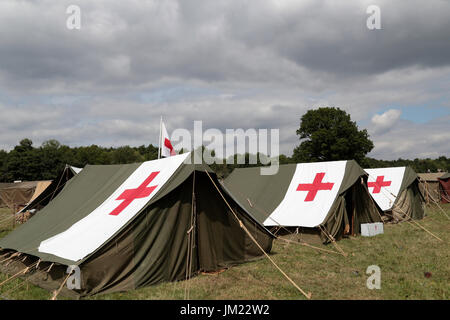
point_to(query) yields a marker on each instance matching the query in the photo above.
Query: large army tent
(429, 186)
(52, 190)
(129, 226)
(396, 191)
(19, 194)
(327, 198)
(444, 187)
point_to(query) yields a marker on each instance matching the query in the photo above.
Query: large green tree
(23, 162)
(328, 134)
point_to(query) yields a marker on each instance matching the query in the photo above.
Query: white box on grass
(371, 229)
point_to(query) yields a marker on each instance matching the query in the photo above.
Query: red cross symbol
(378, 184)
(129, 195)
(314, 187)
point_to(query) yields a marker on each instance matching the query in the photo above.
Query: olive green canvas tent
(129, 226)
(51, 191)
(396, 191)
(325, 198)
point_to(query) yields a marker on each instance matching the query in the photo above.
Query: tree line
(325, 134)
(28, 163)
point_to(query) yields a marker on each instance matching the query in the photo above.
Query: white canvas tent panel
(384, 185)
(311, 193)
(76, 170)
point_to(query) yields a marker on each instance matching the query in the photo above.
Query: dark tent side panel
(161, 239)
(409, 204)
(410, 200)
(221, 241)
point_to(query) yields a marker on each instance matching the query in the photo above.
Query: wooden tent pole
(56, 293)
(12, 256)
(333, 241)
(18, 274)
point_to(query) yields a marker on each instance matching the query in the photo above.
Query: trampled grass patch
(404, 253)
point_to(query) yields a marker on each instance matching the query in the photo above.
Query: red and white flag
(167, 149)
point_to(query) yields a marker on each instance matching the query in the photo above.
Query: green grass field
(404, 253)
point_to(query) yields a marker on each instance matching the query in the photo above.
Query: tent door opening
(349, 224)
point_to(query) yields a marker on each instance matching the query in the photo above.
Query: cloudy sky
(232, 64)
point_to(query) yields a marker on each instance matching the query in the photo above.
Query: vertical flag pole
(159, 142)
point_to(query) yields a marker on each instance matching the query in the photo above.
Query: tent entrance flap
(349, 208)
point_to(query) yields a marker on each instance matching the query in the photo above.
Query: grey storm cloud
(230, 63)
(126, 44)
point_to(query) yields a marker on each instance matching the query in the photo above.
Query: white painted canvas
(384, 185)
(311, 193)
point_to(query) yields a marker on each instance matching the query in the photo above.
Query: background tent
(396, 191)
(330, 197)
(128, 226)
(2, 186)
(429, 186)
(444, 187)
(19, 194)
(52, 190)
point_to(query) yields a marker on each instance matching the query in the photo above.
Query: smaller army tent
(4, 185)
(134, 225)
(51, 191)
(329, 199)
(429, 186)
(19, 194)
(396, 191)
(444, 188)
